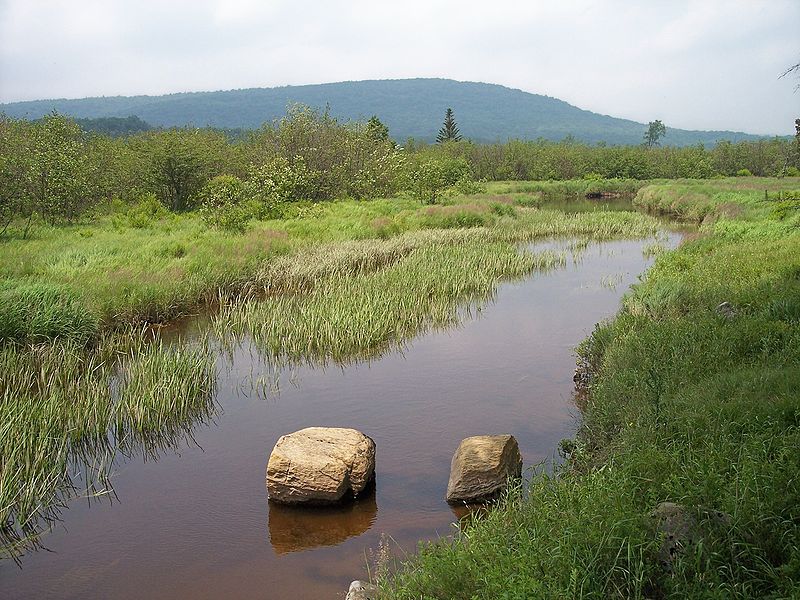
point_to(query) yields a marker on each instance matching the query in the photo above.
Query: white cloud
(694, 64)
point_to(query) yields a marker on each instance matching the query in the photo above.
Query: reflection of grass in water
(346, 317)
(578, 249)
(63, 408)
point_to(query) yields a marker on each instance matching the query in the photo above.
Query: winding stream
(196, 523)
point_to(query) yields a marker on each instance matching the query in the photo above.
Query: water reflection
(297, 528)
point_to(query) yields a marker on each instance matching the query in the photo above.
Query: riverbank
(75, 282)
(693, 400)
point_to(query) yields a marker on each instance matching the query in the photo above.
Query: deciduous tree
(655, 131)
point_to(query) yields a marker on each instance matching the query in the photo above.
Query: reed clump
(357, 314)
(66, 408)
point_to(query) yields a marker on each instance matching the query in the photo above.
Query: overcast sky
(704, 64)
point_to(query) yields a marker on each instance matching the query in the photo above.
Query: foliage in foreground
(689, 404)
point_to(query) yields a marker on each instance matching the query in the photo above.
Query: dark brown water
(197, 524)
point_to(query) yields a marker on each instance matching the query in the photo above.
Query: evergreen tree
(377, 130)
(449, 131)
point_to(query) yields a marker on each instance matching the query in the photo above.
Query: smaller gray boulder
(482, 466)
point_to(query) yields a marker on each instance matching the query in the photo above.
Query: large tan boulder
(320, 465)
(482, 466)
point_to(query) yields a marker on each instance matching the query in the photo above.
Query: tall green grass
(74, 282)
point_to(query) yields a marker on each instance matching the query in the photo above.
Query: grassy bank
(73, 282)
(688, 403)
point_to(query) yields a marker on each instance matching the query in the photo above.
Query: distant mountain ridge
(412, 108)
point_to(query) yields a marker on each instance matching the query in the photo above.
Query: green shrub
(428, 178)
(145, 212)
(221, 203)
(785, 208)
(744, 173)
(271, 184)
(467, 186)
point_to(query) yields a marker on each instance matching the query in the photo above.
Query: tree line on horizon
(53, 169)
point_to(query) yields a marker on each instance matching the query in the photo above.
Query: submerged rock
(481, 467)
(320, 465)
(361, 590)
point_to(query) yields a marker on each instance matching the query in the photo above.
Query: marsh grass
(65, 284)
(65, 409)
(347, 317)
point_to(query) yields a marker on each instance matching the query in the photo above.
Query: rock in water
(320, 465)
(482, 466)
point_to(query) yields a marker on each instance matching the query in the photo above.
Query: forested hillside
(412, 108)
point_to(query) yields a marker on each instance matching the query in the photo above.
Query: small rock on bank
(361, 590)
(680, 528)
(481, 467)
(320, 465)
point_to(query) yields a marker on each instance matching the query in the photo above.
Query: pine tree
(449, 131)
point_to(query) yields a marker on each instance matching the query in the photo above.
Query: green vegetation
(655, 131)
(77, 384)
(690, 401)
(352, 311)
(114, 126)
(449, 131)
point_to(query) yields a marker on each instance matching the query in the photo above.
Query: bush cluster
(53, 171)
